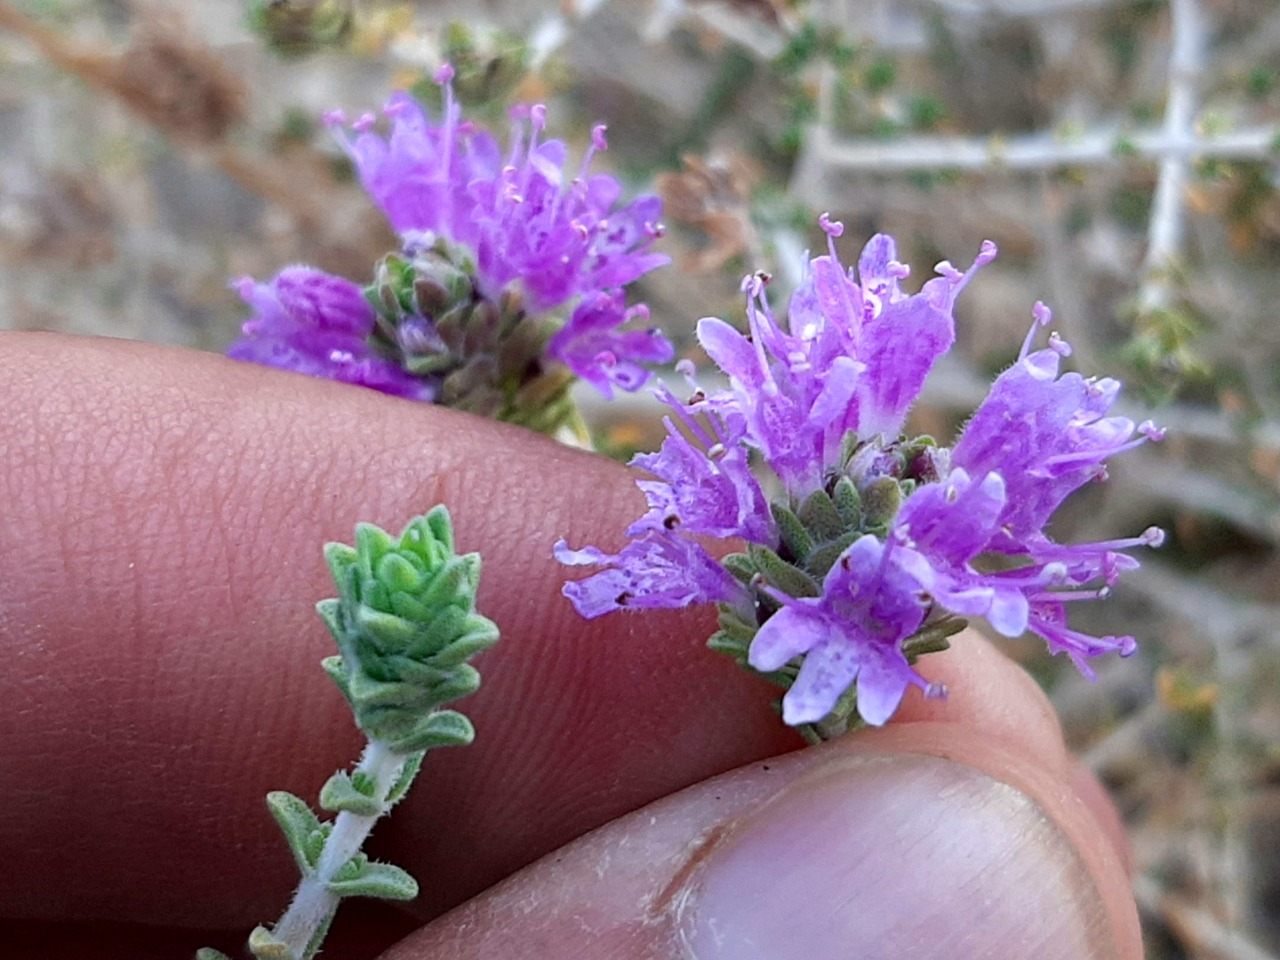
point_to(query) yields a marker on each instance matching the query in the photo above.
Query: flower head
(510, 280)
(878, 543)
(559, 234)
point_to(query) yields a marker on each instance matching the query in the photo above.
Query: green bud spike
(379, 880)
(406, 624)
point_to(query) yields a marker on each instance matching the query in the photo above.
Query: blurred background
(1124, 154)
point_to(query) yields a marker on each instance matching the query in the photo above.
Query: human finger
(164, 513)
(920, 840)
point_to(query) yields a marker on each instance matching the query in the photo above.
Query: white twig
(1017, 8)
(1186, 60)
(1038, 151)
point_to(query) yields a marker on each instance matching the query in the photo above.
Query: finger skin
(622, 892)
(164, 517)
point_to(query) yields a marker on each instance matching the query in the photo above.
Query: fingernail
(889, 857)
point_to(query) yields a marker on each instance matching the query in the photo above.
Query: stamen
(945, 268)
(1149, 430)
(1042, 316)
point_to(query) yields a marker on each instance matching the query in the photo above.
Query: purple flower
(312, 322)
(654, 570)
(853, 631)
(497, 249)
(560, 234)
(878, 542)
(592, 345)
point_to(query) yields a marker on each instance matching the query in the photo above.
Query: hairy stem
(313, 905)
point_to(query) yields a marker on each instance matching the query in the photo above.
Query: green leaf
(391, 633)
(849, 445)
(481, 634)
(793, 533)
(736, 627)
(463, 680)
(824, 558)
(336, 668)
(847, 502)
(439, 525)
(454, 584)
(443, 728)
(412, 764)
(340, 793)
(780, 574)
(399, 574)
(298, 824)
(740, 565)
(208, 953)
(330, 612)
(820, 517)
(932, 637)
(723, 642)
(881, 499)
(380, 880)
(264, 945)
(340, 558)
(372, 542)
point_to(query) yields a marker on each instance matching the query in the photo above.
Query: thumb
(916, 841)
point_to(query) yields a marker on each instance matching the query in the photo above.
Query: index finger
(164, 513)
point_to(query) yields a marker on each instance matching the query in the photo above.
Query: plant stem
(313, 905)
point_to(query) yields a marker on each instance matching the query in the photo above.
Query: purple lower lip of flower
(310, 322)
(656, 570)
(593, 345)
(852, 632)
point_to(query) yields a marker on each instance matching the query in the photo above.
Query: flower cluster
(496, 249)
(876, 544)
